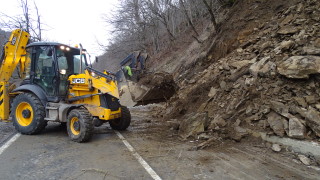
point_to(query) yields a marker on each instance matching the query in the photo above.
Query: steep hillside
(160, 28)
(260, 74)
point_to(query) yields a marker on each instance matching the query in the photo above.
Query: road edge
(9, 141)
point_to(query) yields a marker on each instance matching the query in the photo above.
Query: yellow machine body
(14, 54)
(90, 87)
(59, 85)
(86, 85)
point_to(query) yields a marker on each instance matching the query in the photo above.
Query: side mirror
(96, 59)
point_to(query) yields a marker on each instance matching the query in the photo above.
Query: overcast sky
(70, 21)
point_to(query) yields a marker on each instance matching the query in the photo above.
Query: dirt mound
(267, 78)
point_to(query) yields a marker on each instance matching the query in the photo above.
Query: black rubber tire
(38, 123)
(86, 125)
(123, 122)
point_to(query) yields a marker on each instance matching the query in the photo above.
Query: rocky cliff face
(270, 82)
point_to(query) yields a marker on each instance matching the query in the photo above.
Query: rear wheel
(79, 125)
(123, 122)
(28, 114)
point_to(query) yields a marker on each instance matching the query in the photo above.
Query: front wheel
(79, 125)
(28, 114)
(123, 122)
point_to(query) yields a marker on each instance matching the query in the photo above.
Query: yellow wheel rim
(24, 114)
(75, 122)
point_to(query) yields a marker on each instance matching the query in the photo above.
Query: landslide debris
(269, 80)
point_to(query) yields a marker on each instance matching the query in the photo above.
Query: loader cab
(51, 65)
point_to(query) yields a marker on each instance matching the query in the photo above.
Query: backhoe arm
(14, 53)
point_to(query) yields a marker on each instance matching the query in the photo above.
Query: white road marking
(9, 142)
(145, 165)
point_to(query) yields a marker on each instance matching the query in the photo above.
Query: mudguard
(35, 90)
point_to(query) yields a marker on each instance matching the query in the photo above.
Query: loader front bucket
(152, 88)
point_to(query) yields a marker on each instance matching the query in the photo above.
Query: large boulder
(279, 107)
(213, 92)
(300, 67)
(312, 117)
(288, 30)
(277, 123)
(193, 125)
(238, 133)
(262, 67)
(311, 50)
(240, 64)
(217, 123)
(284, 45)
(296, 128)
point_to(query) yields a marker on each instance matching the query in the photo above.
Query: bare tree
(28, 21)
(189, 20)
(213, 18)
(155, 25)
(25, 11)
(160, 8)
(38, 22)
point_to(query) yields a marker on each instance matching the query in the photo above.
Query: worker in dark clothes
(142, 59)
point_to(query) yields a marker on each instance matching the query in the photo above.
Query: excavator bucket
(151, 88)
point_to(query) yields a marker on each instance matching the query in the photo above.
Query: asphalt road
(51, 155)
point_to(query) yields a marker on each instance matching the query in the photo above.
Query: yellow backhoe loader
(57, 84)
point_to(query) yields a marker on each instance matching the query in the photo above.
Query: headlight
(63, 71)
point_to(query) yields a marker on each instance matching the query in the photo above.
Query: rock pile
(270, 83)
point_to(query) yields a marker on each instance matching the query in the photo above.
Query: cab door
(64, 63)
(68, 63)
(44, 69)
